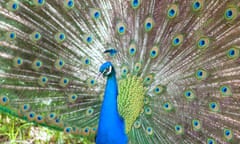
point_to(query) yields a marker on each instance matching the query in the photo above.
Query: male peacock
(111, 127)
(177, 65)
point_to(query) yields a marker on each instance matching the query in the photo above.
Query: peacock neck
(110, 97)
(111, 126)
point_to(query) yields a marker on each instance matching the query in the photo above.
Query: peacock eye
(107, 71)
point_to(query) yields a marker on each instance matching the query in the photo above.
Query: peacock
(111, 127)
(169, 69)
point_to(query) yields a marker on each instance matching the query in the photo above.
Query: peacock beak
(99, 74)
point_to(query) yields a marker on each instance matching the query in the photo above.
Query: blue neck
(109, 106)
(111, 128)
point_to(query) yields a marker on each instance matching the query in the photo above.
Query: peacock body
(176, 65)
(111, 127)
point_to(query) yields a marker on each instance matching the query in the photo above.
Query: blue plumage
(111, 52)
(111, 128)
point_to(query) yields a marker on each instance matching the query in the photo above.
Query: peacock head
(107, 69)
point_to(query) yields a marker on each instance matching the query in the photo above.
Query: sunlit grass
(14, 130)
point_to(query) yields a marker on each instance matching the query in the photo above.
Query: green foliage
(15, 130)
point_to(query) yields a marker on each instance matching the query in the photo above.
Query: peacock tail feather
(177, 65)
